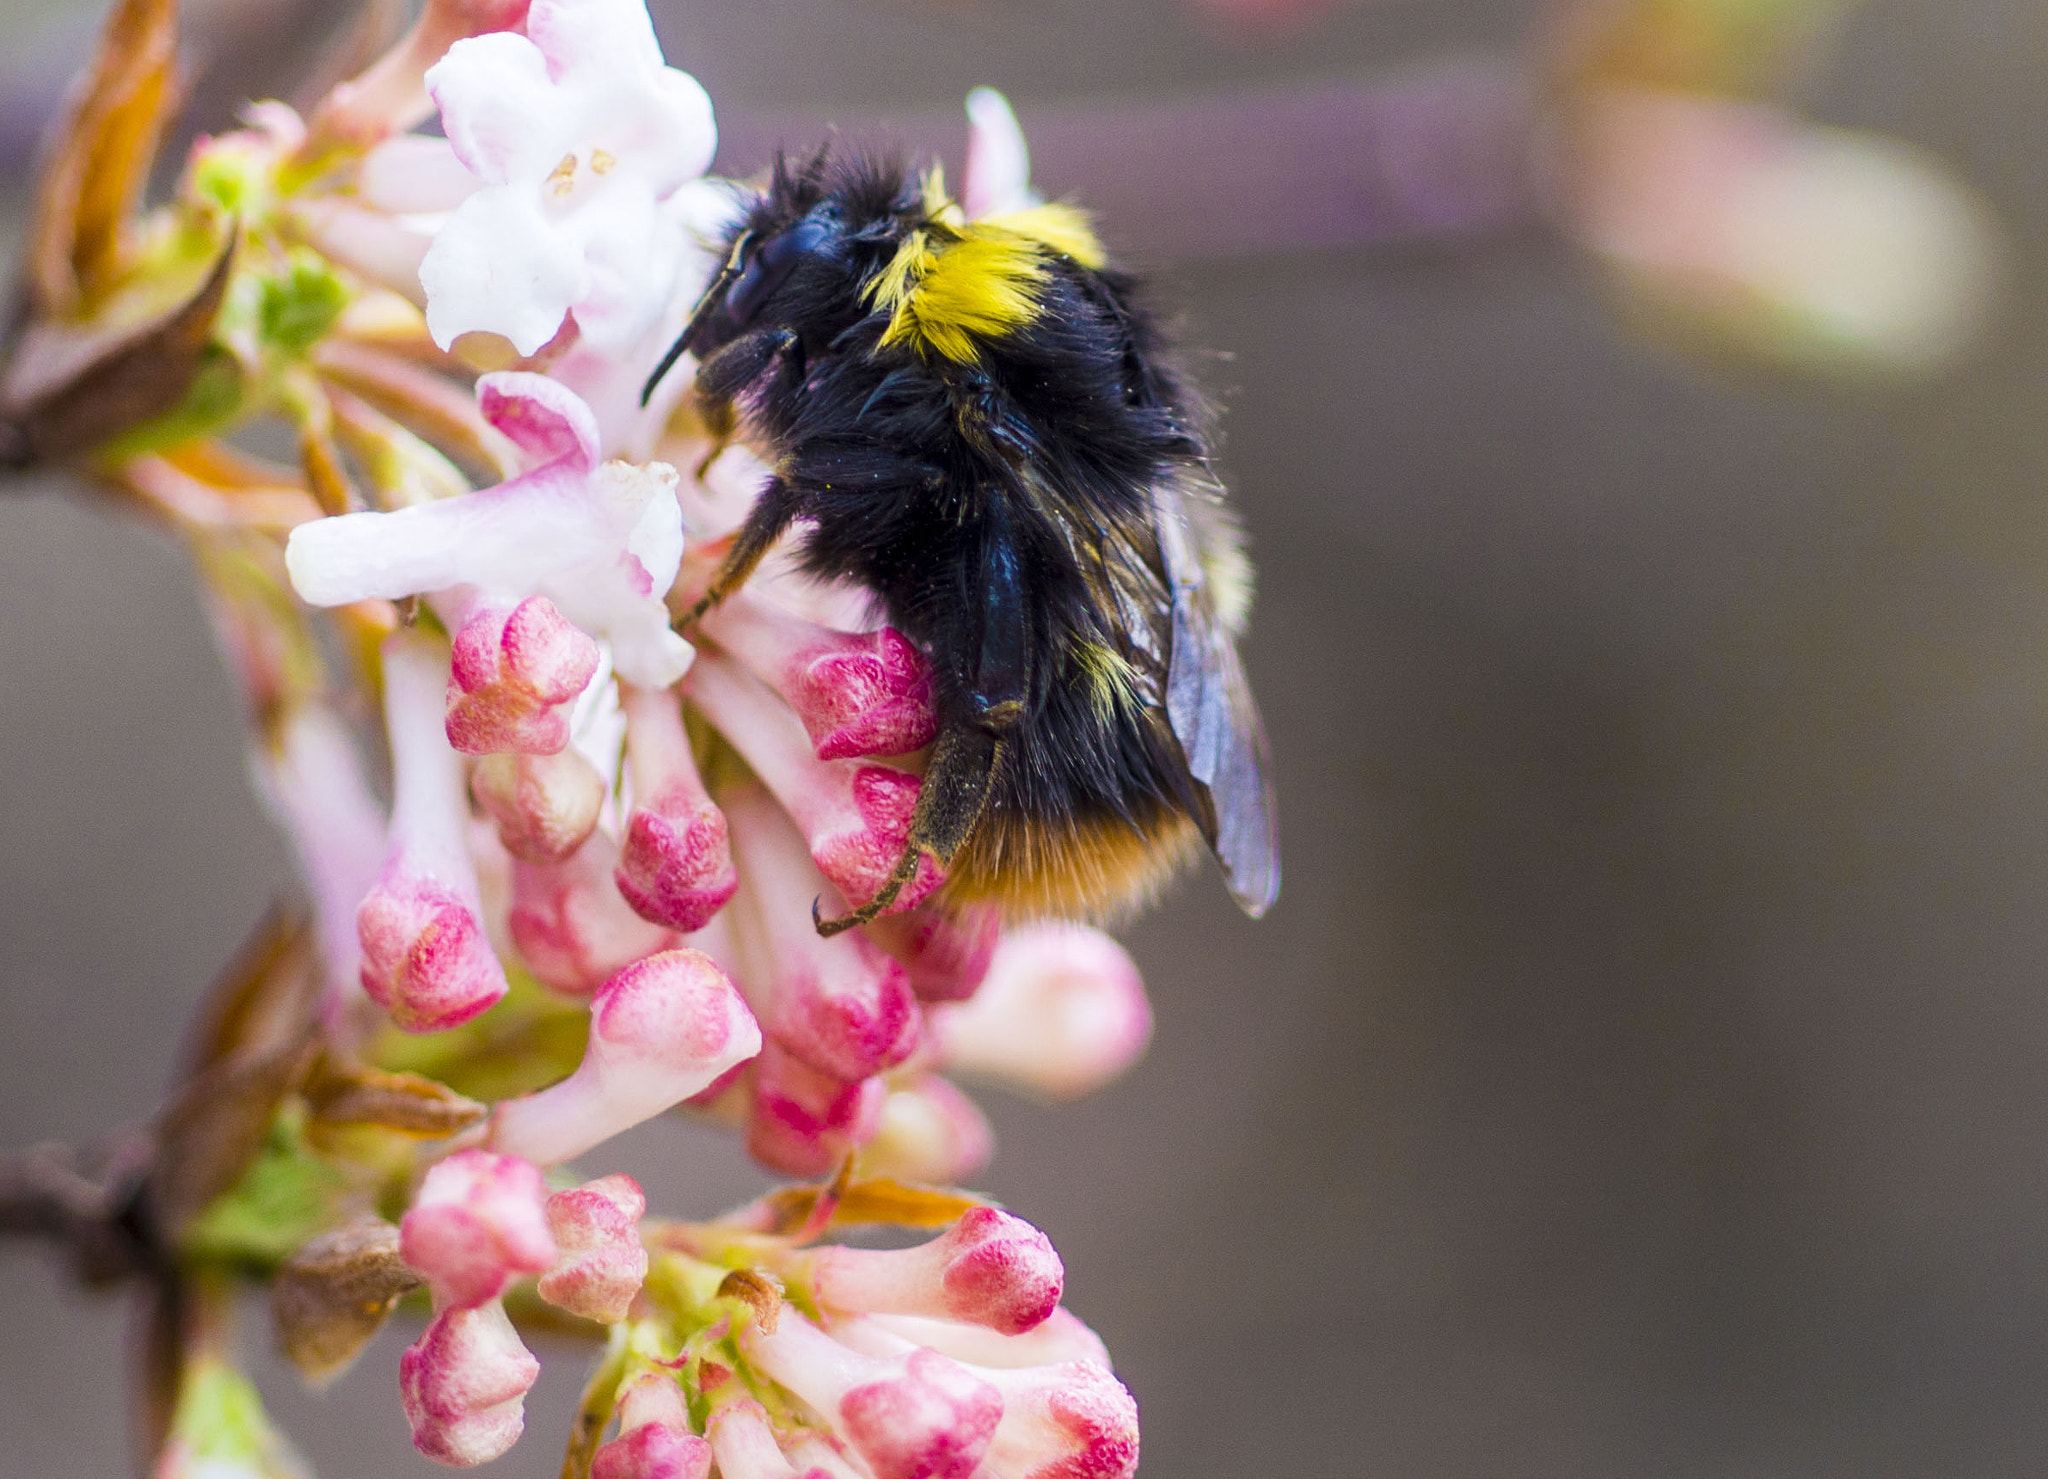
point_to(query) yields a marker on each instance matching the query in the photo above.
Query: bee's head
(799, 255)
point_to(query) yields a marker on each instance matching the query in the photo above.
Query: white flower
(601, 540)
(577, 132)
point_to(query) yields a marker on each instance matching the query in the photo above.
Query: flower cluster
(589, 900)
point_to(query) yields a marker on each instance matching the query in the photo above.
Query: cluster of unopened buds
(590, 898)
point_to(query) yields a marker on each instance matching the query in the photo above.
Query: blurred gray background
(1645, 1071)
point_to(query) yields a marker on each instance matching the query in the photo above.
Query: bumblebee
(978, 422)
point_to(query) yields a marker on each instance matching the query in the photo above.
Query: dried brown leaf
(347, 1094)
(68, 388)
(253, 1042)
(332, 1296)
(101, 158)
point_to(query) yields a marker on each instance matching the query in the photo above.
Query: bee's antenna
(698, 315)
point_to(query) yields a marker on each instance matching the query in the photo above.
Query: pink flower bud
(913, 1416)
(1071, 1421)
(988, 1268)
(675, 866)
(602, 1263)
(839, 1004)
(854, 818)
(660, 1030)
(1063, 1011)
(476, 1225)
(463, 1384)
(570, 925)
(544, 806)
(425, 958)
(746, 1447)
(930, 1132)
(655, 1441)
(1063, 1337)
(802, 1122)
(864, 694)
(946, 955)
(511, 672)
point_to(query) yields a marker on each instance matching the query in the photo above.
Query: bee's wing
(1209, 703)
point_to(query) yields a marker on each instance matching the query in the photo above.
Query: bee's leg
(966, 758)
(721, 420)
(771, 514)
(957, 782)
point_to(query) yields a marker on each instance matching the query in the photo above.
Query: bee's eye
(771, 267)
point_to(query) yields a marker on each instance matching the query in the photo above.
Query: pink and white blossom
(576, 133)
(675, 862)
(929, 1131)
(998, 178)
(1060, 1338)
(661, 1030)
(463, 1385)
(989, 1268)
(946, 953)
(601, 540)
(912, 1416)
(477, 1224)
(1062, 1011)
(511, 677)
(316, 788)
(839, 1004)
(544, 806)
(426, 959)
(570, 924)
(802, 1121)
(855, 818)
(1070, 1421)
(601, 1262)
(745, 1445)
(858, 694)
(655, 1441)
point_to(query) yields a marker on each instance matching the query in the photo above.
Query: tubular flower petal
(545, 806)
(801, 1121)
(839, 1004)
(675, 865)
(576, 133)
(602, 541)
(655, 1441)
(914, 1416)
(510, 674)
(477, 1224)
(745, 1444)
(1063, 1011)
(602, 1263)
(1071, 1421)
(988, 1268)
(929, 1131)
(855, 818)
(463, 1384)
(660, 1030)
(946, 955)
(1063, 1337)
(857, 694)
(998, 175)
(315, 785)
(426, 960)
(569, 923)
